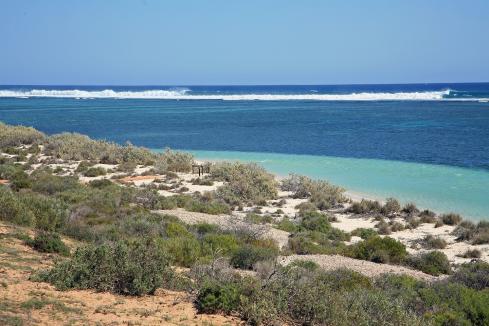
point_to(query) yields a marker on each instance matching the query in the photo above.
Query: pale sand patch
(367, 268)
(348, 223)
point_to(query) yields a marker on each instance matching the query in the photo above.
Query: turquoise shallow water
(438, 187)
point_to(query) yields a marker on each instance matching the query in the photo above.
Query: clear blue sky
(156, 42)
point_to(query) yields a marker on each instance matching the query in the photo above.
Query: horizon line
(246, 84)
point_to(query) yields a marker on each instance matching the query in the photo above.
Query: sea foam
(183, 94)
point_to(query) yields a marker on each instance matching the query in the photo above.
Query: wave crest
(183, 94)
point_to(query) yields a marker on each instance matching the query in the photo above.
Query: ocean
(427, 143)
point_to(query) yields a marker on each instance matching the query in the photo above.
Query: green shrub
(49, 242)
(221, 244)
(364, 233)
(365, 206)
(13, 210)
(213, 298)
(50, 213)
(432, 242)
(320, 193)
(49, 184)
(390, 207)
(474, 275)
(258, 219)
(380, 250)
(455, 304)
(287, 225)
(305, 243)
(19, 135)
(244, 183)
(410, 209)
(95, 172)
(247, 255)
(434, 263)
(305, 264)
(213, 207)
(174, 162)
(183, 251)
(451, 219)
(100, 183)
(132, 268)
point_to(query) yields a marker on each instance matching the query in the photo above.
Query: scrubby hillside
(94, 232)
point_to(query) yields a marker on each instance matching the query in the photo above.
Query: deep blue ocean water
(444, 127)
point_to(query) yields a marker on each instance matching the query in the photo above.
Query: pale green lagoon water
(437, 187)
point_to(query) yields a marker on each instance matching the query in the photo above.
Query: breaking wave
(185, 94)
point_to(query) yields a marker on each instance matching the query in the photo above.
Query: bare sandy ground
(30, 303)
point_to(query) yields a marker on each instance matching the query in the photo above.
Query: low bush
(434, 263)
(19, 135)
(475, 233)
(410, 209)
(365, 207)
(172, 161)
(432, 242)
(390, 207)
(380, 250)
(364, 233)
(245, 183)
(13, 210)
(451, 219)
(427, 216)
(474, 275)
(246, 256)
(287, 225)
(132, 268)
(95, 172)
(319, 192)
(471, 253)
(214, 297)
(49, 242)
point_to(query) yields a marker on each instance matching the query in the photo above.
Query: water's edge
(437, 187)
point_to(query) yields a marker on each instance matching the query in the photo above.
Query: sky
(220, 42)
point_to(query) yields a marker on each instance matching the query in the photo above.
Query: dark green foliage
(474, 275)
(213, 298)
(287, 225)
(95, 172)
(305, 264)
(455, 304)
(247, 256)
(49, 184)
(49, 242)
(380, 250)
(364, 233)
(50, 213)
(102, 183)
(219, 244)
(434, 263)
(133, 268)
(13, 210)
